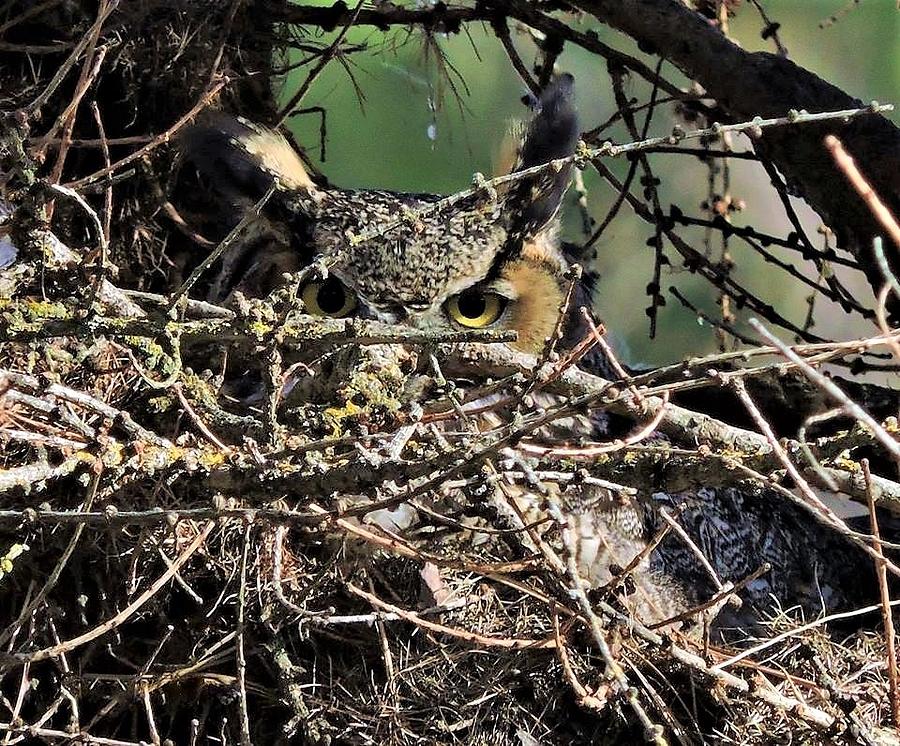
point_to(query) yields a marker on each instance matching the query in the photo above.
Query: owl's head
(489, 259)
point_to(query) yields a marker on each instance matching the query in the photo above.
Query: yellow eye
(328, 298)
(476, 308)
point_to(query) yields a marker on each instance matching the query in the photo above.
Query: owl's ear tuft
(242, 159)
(551, 134)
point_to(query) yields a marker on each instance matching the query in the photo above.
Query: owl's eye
(476, 308)
(328, 298)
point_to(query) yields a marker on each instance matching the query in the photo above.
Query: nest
(184, 562)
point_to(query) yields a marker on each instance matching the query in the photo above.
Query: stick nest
(185, 554)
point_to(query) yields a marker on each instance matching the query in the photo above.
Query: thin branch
(886, 616)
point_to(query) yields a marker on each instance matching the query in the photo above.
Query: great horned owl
(484, 261)
(493, 259)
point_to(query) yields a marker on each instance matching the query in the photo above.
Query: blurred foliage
(419, 113)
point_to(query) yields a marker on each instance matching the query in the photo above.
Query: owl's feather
(539, 296)
(244, 157)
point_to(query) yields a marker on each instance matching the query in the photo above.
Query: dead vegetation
(181, 562)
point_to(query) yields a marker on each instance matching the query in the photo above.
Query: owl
(492, 259)
(487, 261)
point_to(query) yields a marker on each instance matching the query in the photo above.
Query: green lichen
(161, 404)
(212, 459)
(736, 457)
(367, 398)
(153, 357)
(335, 417)
(12, 554)
(374, 388)
(114, 455)
(259, 328)
(28, 316)
(116, 324)
(203, 396)
(43, 309)
(847, 464)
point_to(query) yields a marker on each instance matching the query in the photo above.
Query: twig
(592, 450)
(695, 550)
(26, 14)
(573, 275)
(161, 139)
(195, 418)
(638, 558)
(653, 733)
(108, 192)
(61, 563)
(725, 594)
(881, 315)
(65, 736)
(390, 672)
(151, 720)
(95, 142)
(249, 217)
(34, 474)
(611, 150)
(501, 31)
(326, 57)
(240, 659)
(737, 385)
(786, 635)
(508, 643)
(595, 701)
(66, 121)
(882, 262)
(24, 686)
(846, 163)
(698, 262)
(885, 593)
(396, 545)
(771, 28)
(223, 38)
(819, 508)
(840, 697)
(91, 213)
(832, 389)
(63, 70)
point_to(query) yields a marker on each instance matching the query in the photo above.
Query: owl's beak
(389, 314)
(417, 316)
